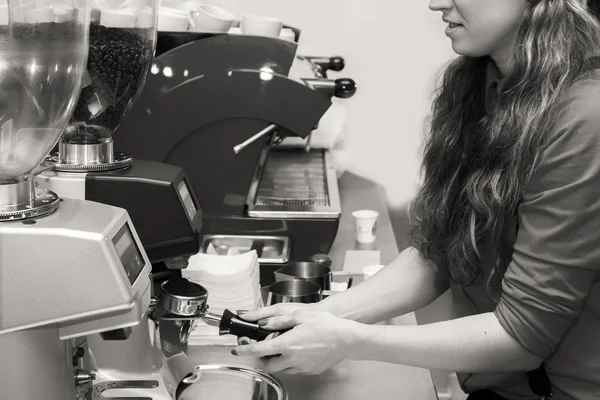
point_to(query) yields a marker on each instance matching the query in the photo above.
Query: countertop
(349, 380)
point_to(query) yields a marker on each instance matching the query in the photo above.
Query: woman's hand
(317, 341)
(262, 315)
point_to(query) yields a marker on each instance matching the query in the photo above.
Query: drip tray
(294, 183)
(270, 249)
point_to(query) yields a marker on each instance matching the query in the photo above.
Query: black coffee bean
(120, 69)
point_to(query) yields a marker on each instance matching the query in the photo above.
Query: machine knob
(345, 88)
(325, 64)
(336, 64)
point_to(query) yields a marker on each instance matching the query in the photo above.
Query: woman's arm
(475, 344)
(320, 340)
(407, 284)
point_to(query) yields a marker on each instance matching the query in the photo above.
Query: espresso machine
(69, 268)
(218, 107)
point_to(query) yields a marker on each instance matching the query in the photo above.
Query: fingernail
(242, 312)
(234, 352)
(263, 322)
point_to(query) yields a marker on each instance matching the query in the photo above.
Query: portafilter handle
(228, 323)
(232, 324)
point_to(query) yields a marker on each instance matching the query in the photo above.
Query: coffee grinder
(68, 268)
(85, 166)
(133, 360)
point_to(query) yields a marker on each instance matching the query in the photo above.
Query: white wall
(393, 49)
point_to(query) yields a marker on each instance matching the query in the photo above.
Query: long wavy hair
(475, 164)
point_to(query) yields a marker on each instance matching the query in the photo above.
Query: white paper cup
(365, 223)
(371, 270)
(260, 25)
(213, 19)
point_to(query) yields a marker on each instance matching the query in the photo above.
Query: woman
(508, 216)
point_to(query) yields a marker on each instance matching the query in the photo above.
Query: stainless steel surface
(291, 291)
(22, 201)
(269, 129)
(129, 387)
(312, 272)
(319, 83)
(132, 364)
(212, 319)
(181, 304)
(186, 330)
(88, 157)
(295, 184)
(275, 249)
(75, 266)
(70, 185)
(83, 377)
(233, 382)
(85, 153)
(315, 70)
(323, 259)
(34, 362)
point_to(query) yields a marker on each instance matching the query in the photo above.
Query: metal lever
(271, 128)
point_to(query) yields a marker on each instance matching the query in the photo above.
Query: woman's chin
(462, 49)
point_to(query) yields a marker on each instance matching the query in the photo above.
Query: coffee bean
(124, 56)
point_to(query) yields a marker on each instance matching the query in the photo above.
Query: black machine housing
(220, 90)
(162, 207)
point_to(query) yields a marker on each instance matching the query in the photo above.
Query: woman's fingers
(281, 322)
(242, 341)
(259, 313)
(276, 364)
(259, 349)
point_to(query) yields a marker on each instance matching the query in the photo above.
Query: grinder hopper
(41, 68)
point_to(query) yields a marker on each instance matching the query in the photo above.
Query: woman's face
(482, 27)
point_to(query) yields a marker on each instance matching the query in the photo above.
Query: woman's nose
(440, 5)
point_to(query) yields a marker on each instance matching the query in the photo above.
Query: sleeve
(556, 256)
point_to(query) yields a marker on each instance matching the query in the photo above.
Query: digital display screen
(188, 201)
(129, 253)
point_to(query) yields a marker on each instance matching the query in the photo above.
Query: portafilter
(186, 301)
